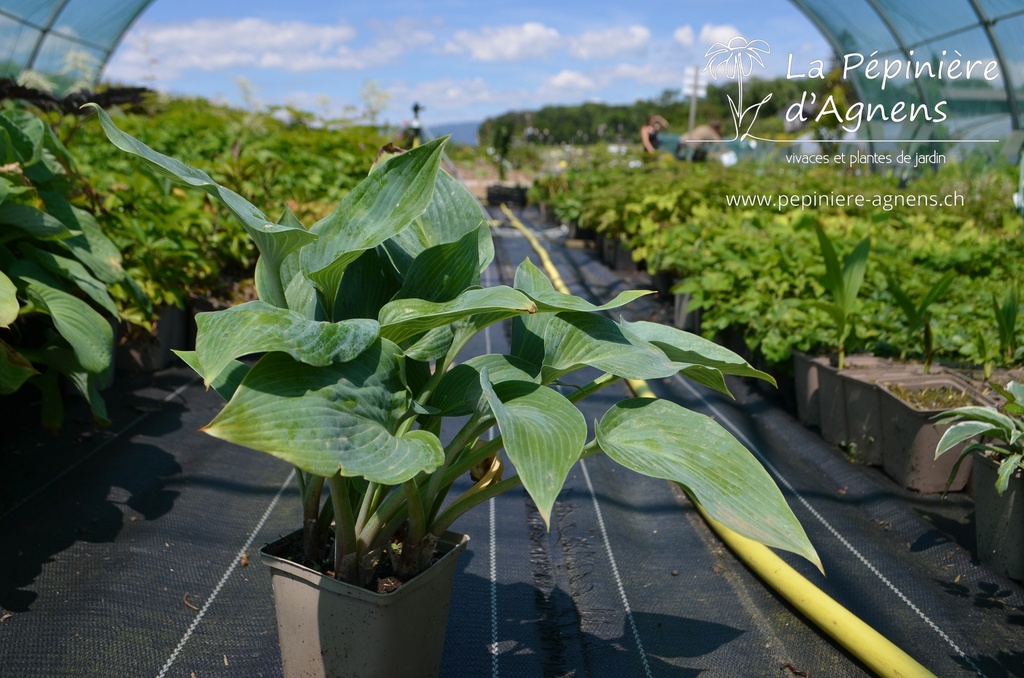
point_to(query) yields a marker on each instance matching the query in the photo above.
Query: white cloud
(610, 42)
(648, 75)
(683, 36)
(711, 33)
(446, 94)
(568, 80)
(506, 43)
(218, 44)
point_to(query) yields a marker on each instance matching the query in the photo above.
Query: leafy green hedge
(59, 273)
(755, 269)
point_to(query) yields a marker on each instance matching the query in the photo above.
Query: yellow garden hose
(874, 650)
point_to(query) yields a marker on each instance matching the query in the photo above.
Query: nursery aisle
(141, 559)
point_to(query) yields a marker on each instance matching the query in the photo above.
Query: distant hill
(462, 132)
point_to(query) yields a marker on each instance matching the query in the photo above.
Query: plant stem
(344, 529)
(365, 505)
(313, 538)
(470, 500)
(417, 516)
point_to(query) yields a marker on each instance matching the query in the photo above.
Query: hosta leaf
(459, 393)
(542, 433)
(257, 326)
(379, 207)
(989, 415)
(225, 383)
(1007, 467)
(574, 340)
(326, 420)
(369, 282)
(686, 347)
(958, 433)
(274, 241)
(33, 221)
(531, 280)
(403, 319)
(90, 335)
(442, 272)
(661, 439)
(75, 272)
(453, 213)
(433, 345)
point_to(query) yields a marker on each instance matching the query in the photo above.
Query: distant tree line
(591, 122)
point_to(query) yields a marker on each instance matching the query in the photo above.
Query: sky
(461, 61)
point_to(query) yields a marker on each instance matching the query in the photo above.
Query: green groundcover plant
(360, 336)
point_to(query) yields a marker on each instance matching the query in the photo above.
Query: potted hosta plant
(361, 332)
(995, 439)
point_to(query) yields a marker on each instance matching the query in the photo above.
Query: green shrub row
(757, 270)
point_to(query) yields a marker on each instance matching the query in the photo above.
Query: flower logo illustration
(737, 60)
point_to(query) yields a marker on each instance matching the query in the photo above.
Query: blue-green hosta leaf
(90, 335)
(536, 285)
(257, 326)
(442, 272)
(453, 213)
(433, 345)
(225, 383)
(379, 207)
(403, 319)
(326, 420)
(14, 369)
(8, 301)
(663, 440)
(542, 433)
(686, 347)
(459, 393)
(274, 241)
(369, 282)
(573, 340)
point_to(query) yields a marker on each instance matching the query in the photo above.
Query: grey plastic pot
(910, 435)
(805, 380)
(330, 629)
(999, 520)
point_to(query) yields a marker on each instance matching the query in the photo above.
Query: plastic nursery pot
(832, 405)
(805, 381)
(999, 520)
(331, 629)
(910, 435)
(863, 400)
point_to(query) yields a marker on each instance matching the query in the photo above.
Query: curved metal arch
(985, 22)
(46, 29)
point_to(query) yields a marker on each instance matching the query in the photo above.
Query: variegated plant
(361, 332)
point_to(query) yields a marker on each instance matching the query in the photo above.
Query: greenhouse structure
(290, 393)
